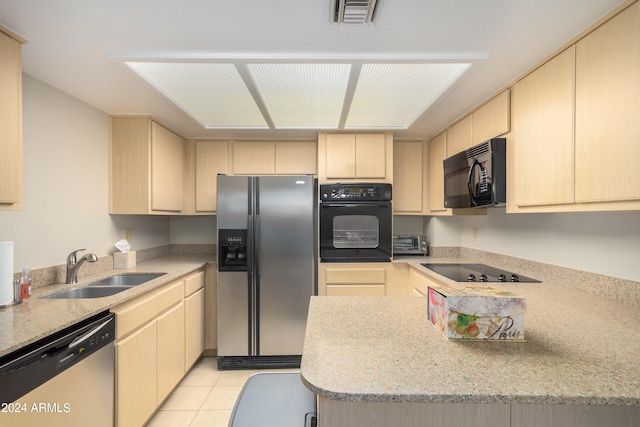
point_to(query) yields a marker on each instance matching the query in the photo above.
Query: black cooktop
(476, 273)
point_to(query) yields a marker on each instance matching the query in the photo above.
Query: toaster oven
(410, 245)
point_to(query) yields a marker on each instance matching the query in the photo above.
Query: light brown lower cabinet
(136, 377)
(353, 279)
(332, 413)
(170, 348)
(159, 335)
(574, 415)
(194, 327)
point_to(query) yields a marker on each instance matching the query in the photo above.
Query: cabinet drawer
(355, 275)
(355, 290)
(133, 314)
(169, 295)
(193, 282)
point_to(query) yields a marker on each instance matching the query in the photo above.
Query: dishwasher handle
(79, 340)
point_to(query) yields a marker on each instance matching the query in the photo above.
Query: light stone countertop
(580, 348)
(38, 318)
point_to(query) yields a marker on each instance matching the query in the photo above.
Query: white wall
(193, 230)
(65, 151)
(599, 242)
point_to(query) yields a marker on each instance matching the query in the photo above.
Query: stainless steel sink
(106, 287)
(130, 279)
(86, 292)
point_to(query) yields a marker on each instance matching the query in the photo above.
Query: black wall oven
(356, 222)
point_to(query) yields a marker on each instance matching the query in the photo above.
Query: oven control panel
(355, 192)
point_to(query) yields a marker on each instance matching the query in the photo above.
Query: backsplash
(57, 273)
(623, 290)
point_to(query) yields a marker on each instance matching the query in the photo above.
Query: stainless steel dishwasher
(66, 379)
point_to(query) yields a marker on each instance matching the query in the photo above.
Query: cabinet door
(136, 380)
(407, 176)
(254, 157)
(543, 157)
(341, 155)
(492, 119)
(194, 322)
(167, 169)
(459, 136)
(419, 284)
(608, 111)
(371, 155)
(296, 158)
(437, 153)
(10, 123)
(211, 160)
(171, 353)
(211, 315)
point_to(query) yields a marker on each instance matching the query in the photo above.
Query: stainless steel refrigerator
(266, 268)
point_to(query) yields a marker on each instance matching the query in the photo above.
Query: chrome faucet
(73, 265)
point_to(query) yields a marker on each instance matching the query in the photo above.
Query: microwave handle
(472, 198)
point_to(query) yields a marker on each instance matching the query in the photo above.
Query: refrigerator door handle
(251, 271)
(256, 287)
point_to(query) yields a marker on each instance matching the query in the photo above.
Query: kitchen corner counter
(37, 318)
(580, 349)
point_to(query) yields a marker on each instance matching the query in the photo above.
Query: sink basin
(106, 287)
(86, 292)
(130, 279)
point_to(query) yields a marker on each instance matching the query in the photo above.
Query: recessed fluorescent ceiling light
(302, 95)
(395, 95)
(214, 94)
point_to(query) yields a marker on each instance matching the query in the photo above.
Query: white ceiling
(81, 47)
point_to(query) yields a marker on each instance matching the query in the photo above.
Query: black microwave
(477, 177)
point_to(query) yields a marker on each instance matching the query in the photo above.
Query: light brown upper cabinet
(355, 156)
(575, 125)
(253, 158)
(409, 177)
(437, 153)
(541, 149)
(459, 136)
(492, 119)
(210, 159)
(296, 157)
(608, 111)
(147, 164)
(273, 157)
(10, 120)
(489, 121)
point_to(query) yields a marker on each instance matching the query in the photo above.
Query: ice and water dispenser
(232, 250)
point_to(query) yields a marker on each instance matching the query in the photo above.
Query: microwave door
(456, 184)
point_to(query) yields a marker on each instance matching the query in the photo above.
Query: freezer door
(233, 298)
(233, 314)
(285, 261)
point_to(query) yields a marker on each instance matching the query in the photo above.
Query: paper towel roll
(6, 273)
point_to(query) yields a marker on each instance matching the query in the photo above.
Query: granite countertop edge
(36, 318)
(557, 364)
(469, 398)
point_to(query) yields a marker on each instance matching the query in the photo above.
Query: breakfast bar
(379, 361)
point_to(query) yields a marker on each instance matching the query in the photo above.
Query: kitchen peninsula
(378, 361)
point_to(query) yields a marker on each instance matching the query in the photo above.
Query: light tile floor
(205, 397)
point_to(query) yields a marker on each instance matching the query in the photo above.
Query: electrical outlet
(128, 234)
(474, 234)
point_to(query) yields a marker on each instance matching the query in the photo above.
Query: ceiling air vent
(353, 11)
